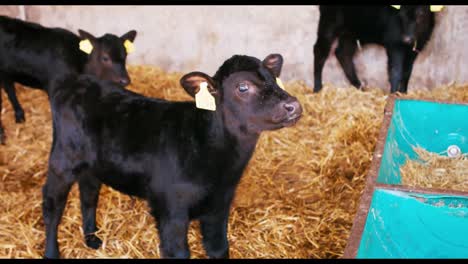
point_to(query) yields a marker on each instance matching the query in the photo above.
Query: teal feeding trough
(397, 221)
(435, 127)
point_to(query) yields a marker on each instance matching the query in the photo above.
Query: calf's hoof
(175, 255)
(219, 255)
(363, 86)
(317, 89)
(93, 241)
(19, 118)
(53, 255)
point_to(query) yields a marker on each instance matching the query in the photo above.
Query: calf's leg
(344, 53)
(214, 226)
(408, 63)
(395, 68)
(173, 230)
(172, 221)
(2, 131)
(89, 195)
(325, 36)
(11, 92)
(55, 193)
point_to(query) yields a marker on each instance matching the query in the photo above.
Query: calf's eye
(243, 87)
(105, 59)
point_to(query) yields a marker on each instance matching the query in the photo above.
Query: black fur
(33, 55)
(399, 31)
(185, 162)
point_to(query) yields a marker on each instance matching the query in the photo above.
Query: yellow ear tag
(204, 99)
(86, 46)
(129, 46)
(396, 6)
(436, 8)
(280, 83)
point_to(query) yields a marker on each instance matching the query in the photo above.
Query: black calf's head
(417, 22)
(108, 55)
(246, 91)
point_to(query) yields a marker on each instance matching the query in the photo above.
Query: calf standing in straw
(33, 55)
(403, 31)
(184, 158)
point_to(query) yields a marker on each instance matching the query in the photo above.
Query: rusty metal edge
(433, 101)
(354, 239)
(360, 218)
(423, 190)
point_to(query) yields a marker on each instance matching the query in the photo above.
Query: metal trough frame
(359, 223)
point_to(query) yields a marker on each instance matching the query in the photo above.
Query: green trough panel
(430, 125)
(409, 225)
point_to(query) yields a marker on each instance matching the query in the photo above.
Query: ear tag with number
(129, 46)
(204, 99)
(436, 8)
(280, 83)
(86, 46)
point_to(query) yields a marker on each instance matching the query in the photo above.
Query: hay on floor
(297, 198)
(432, 170)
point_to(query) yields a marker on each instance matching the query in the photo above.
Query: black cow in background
(186, 162)
(403, 31)
(33, 55)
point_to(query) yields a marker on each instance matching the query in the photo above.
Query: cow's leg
(408, 63)
(395, 67)
(89, 195)
(173, 229)
(2, 131)
(214, 226)
(172, 221)
(345, 53)
(55, 193)
(327, 30)
(9, 86)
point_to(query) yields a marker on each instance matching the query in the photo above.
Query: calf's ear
(88, 41)
(131, 35)
(191, 83)
(86, 35)
(274, 62)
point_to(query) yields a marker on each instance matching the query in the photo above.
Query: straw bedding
(432, 170)
(297, 198)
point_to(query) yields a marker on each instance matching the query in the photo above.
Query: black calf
(33, 55)
(402, 32)
(186, 162)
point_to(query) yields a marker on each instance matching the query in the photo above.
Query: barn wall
(186, 38)
(13, 11)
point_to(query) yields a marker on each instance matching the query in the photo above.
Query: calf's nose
(293, 107)
(290, 107)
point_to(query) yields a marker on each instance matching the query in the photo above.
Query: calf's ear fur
(274, 62)
(131, 35)
(86, 35)
(191, 83)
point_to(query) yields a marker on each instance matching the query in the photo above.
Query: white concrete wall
(186, 38)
